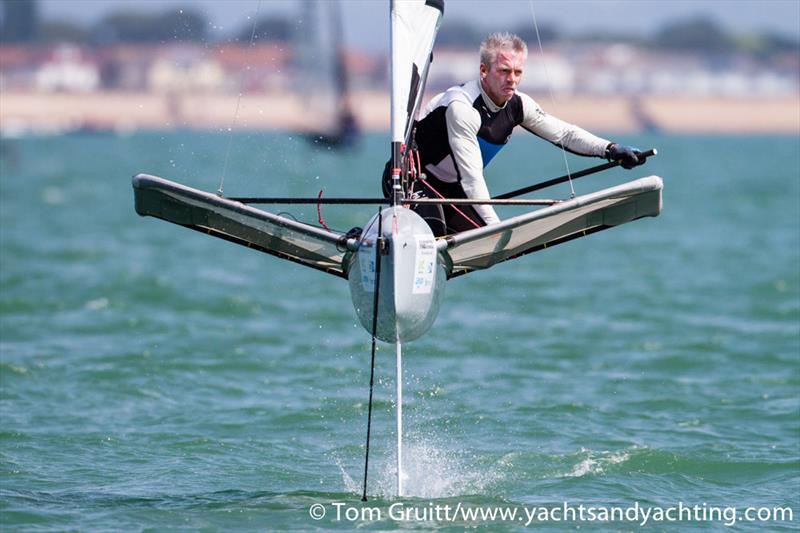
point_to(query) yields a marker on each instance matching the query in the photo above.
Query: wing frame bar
(640, 186)
(477, 249)
(147, 188)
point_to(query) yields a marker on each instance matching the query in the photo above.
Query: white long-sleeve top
(462, 129)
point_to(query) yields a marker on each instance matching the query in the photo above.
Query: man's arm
(550, 128)
(463, 123)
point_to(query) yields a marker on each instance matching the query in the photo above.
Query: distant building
(549, 72)
(365, 71)
(69, 69)
(626, 70)
(258, 68)
(125, 67)
(18, 65)
(271, 67)
(184, 68)
(451, 66)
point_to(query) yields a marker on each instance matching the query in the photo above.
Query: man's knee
(386, 180)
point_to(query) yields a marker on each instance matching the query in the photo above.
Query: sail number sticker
(366, 261)
(424, 265)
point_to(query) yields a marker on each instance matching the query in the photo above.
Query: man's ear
(483, 71)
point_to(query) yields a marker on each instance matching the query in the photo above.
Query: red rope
(457, 210)
(319, 213)
(413, 162)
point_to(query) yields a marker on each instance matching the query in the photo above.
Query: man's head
(502, 59)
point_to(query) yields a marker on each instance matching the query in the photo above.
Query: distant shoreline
(26, 112)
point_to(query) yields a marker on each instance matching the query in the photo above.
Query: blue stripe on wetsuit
(488, 150)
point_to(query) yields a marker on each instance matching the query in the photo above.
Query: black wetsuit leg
(455, 221)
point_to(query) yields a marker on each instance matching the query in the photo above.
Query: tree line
(21, 24)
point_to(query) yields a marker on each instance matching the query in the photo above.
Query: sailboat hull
(411, 277)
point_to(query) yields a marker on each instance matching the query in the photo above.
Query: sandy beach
(126, 111)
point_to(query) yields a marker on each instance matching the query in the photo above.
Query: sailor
(460, 130)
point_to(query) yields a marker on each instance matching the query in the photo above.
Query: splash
(594, 463)
(432, 469)
(350, 484)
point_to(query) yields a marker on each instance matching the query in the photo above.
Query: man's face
(501, 79)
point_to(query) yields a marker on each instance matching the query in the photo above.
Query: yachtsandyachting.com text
(530, 515)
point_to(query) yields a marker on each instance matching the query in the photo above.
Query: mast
(395, 48)
(413, 28)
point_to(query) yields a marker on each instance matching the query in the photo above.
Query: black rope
(409, 201)
(469, 201)
(270, 200)
(378, 246)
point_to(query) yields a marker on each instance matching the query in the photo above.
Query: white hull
(412, 276)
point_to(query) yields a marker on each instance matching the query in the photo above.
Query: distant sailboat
(643, 118)
(321, 60)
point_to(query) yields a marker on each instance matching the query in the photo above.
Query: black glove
(628, 156)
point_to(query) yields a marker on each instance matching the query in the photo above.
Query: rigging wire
(220, 190)
(375, 301)
(552, 95)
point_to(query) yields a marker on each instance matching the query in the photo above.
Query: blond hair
(496, 42)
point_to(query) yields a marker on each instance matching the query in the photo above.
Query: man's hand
(627, 156)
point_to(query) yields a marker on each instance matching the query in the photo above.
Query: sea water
(157, 379)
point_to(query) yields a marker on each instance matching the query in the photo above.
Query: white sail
(414, 24)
